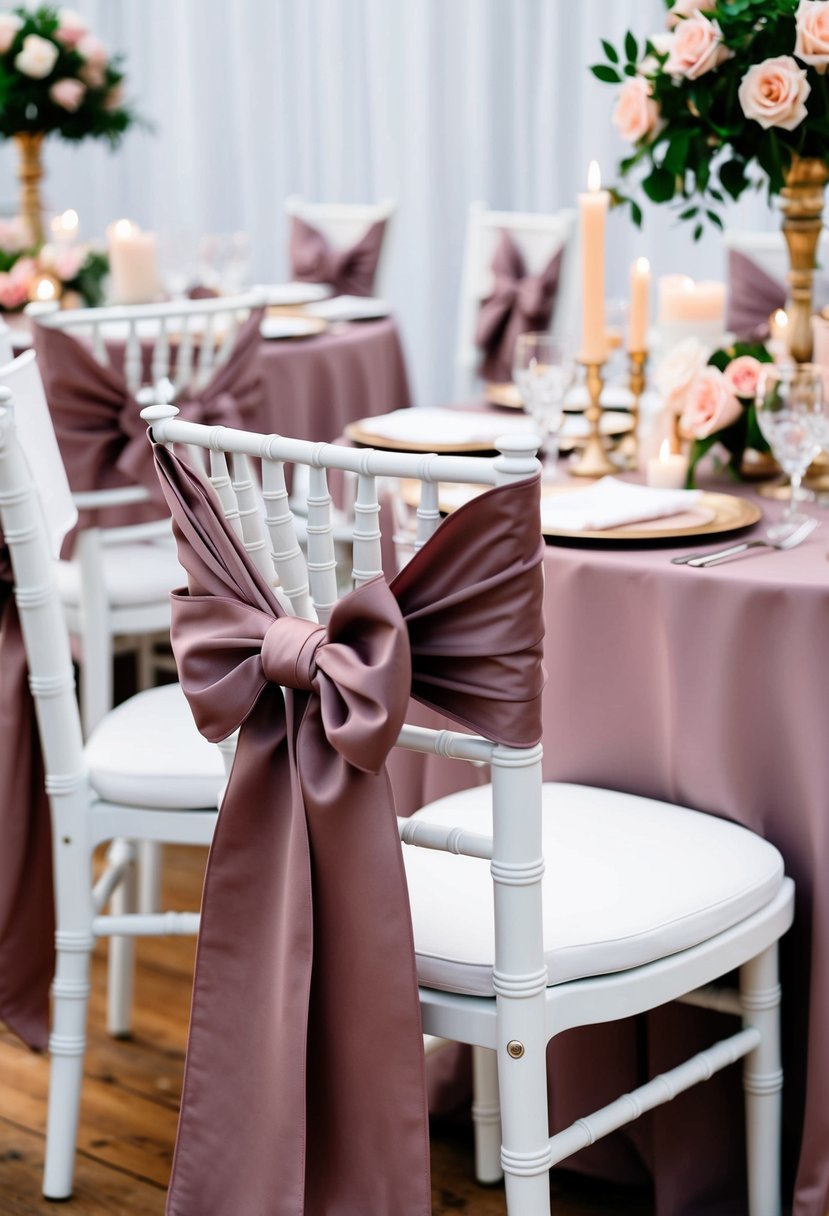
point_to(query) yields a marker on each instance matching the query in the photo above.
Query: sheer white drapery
(435, 103)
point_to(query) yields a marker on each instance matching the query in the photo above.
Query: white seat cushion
(144, 572)
(148, 753)
(627, 881)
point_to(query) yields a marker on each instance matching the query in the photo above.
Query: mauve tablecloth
(708, 688)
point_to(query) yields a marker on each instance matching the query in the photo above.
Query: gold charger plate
(613, 424)
(713, 515)
(505, 394)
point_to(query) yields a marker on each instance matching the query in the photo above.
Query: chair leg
(67, 1042)
(522, 1081)
(486, 1116)
(121, 962)
(763, 1083)
(150, 862)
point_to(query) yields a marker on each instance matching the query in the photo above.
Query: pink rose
(812, 42)
(678, 370)
(13, 235)
(636, 113)
(67, 262)
(774, 93)
(37, 56)
(10, 23)
(710, 405)
(71, 27)
(696, 48)
(93, 51)
(115, 97)
(14, 286)
(742, 375)
(686, 8)
(23, 270)
(68, 93)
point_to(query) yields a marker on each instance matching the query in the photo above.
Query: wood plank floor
(131, 1096)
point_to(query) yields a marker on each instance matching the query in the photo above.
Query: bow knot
(289, 651)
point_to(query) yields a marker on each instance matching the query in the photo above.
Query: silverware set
(702, 560)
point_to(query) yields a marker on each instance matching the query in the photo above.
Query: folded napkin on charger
(444, 426)
(611, 503)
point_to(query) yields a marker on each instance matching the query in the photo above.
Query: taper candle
(640, 285)
(593, 206)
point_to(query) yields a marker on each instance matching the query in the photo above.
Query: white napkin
(350, 308)
(611, 503)
(445, 426)
(37, 439)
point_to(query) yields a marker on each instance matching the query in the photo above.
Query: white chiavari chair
(641, 902)
(344, 223)
(145, 774)
(538, 237)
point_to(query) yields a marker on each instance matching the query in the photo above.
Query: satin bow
(27, 917)
(305, 1063)
(98, 425)
(518, 303)
(350, 271)
(753, 295)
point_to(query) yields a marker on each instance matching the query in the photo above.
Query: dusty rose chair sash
(519, 303)
(97, 420)
(753, 295)
(350, 271)
(27, 918)
(304, 1074)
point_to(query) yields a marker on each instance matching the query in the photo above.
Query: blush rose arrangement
(725, 97)
(57, 78)
(78, 270)
(712, 397)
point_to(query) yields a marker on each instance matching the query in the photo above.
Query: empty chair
(533, 908)
(343, 244)
(757, 266)
(502, 248)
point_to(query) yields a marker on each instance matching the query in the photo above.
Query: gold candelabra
(594, 460)
(629, 447)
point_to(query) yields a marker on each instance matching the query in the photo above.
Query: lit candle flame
(594, 177)
(664, 450)
(124, 227)
(780, 318)
(642, 265)
(45, 290)
(688, 283)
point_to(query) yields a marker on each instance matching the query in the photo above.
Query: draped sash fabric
(98, 425)
(350, 271)
(304, 1077)
(519, 303)
(27, 917)
(753, 295)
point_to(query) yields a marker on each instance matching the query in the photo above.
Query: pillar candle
(681, 299)
(592, 216)
(640, 285)
(132, 264)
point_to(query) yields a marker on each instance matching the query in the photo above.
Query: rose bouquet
(711, 394)
(730, 94)
(76, 270)
(58, 78)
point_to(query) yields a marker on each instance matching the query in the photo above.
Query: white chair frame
(538, 236)
(509, 1033)
(344, 223)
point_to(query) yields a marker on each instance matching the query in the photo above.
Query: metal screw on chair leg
(515, 1049)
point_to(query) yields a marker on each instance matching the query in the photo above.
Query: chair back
(538, 238)
(188, 340)
(45, 637)
(342, 224)
(768, 250)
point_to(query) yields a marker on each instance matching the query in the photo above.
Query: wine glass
(789, 405)
(542, 370)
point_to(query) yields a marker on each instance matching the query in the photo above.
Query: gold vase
(29, 173)
(801, 202)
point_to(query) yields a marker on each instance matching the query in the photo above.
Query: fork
(788, 542)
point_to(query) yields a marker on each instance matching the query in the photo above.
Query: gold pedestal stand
(629, 447)
(29, 173)
(801, 202)
(594, 460)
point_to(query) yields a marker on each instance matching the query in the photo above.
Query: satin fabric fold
(27, 916)
(519, 303)
(304, 1073)
(350, 271)
(753, 295)
(98, 424)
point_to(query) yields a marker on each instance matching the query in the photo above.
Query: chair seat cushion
(148, 753)
(627, 881)
(143, 572)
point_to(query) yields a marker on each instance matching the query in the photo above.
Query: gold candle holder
(629, 447)
(594, 460)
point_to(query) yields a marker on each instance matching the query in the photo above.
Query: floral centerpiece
(711, 394)
(75, 273)
(732, 94)
(56, 78)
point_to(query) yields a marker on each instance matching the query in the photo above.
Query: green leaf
(698, 449)
(715, 219)
(603, 72)
(733, 177)
(659, 185)
(631, 49)
(698, 232)
(636, 213)
(675, 159)
(610, 51)
(688, 213)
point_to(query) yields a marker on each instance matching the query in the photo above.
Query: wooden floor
(131, 1096)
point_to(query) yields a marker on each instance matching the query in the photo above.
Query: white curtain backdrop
(433, 102)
